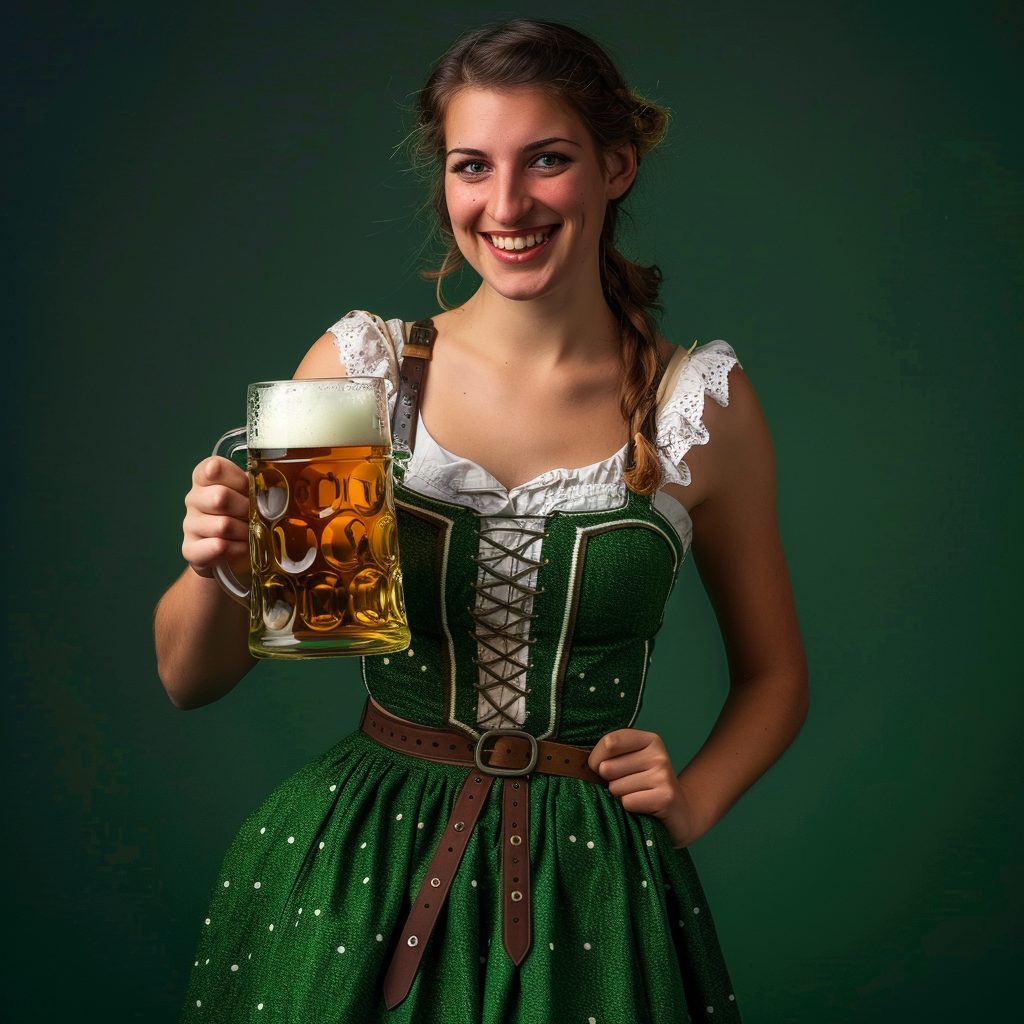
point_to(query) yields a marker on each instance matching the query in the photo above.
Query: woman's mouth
(519, 244)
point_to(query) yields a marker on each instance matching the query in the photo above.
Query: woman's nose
(510, 198)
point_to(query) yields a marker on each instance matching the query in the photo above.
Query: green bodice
(601, 583)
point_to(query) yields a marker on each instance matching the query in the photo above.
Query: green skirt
(315, 890)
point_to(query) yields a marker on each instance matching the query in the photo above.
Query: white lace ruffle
(369, 347)
(681, 422)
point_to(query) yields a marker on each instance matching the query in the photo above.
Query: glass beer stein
(323, 541)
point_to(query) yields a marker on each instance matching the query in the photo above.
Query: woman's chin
(521, 290)
(518, 283)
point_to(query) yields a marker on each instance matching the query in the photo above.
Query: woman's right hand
(216, 526)
(202, 647)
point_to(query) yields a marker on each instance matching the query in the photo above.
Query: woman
(534, 590)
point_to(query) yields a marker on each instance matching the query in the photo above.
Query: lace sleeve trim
(681, 423)
(370, 347)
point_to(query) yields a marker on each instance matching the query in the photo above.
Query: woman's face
(527, 189)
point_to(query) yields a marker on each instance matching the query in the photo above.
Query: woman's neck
(549, 330)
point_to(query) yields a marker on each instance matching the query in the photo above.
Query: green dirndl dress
(539, 622)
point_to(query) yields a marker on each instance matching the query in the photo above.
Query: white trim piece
(643, 680)
(560, 649)
(442, 583)
(444, 611)
(678, 518)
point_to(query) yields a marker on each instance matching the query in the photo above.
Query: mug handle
(231, 442)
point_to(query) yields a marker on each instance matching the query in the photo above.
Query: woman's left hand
(639, 771)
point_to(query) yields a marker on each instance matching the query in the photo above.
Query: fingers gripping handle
(231, 442)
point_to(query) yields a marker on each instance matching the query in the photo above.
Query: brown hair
(572, 66)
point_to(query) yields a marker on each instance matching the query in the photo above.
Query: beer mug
(323, 540)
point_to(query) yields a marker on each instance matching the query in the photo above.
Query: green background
(197, 190)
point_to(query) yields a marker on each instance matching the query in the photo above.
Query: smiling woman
(526, 190)
(564, 459)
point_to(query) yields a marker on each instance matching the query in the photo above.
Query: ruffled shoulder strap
(370, 347)
(688, 378)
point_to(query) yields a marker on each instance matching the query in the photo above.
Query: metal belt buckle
(501, 772)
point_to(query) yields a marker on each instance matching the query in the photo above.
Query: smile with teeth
(519, 242)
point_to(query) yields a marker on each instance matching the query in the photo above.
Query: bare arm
(201, 633)
(739, 555)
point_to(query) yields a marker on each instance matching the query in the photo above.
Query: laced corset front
(506, 585)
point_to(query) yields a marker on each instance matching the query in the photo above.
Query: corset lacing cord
(502, 623)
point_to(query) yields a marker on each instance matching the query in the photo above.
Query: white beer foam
(316, 414)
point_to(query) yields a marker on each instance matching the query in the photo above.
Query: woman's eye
(470, 168)
(549, 160)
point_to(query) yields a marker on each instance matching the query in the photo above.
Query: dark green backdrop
(196, 190)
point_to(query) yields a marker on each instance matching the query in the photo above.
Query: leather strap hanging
(512, 757)
(413, 374)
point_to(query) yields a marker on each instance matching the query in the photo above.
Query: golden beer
(323, 539)
(324, 549)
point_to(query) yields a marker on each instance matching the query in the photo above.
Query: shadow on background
(196, 194)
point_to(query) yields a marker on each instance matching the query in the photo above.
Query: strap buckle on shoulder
(489, 769)
(421, 340)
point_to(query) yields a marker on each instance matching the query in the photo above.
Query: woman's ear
(620, 169)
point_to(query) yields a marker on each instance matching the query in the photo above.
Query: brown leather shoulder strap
(416, 355)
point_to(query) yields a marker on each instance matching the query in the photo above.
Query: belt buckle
(505, 772)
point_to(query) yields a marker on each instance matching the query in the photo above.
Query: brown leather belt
(510, 754)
